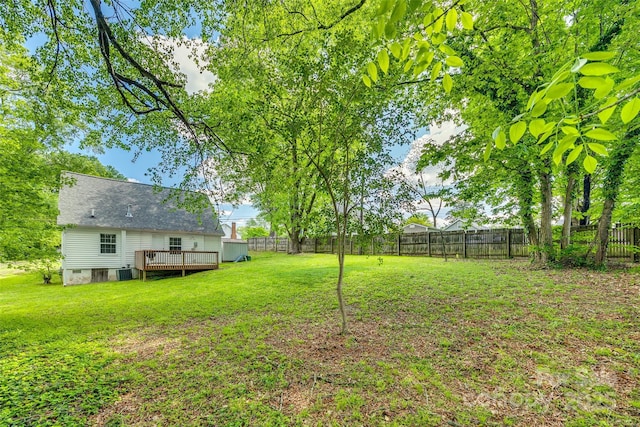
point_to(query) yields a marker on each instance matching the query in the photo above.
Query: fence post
(428, 243)
(464, 243)
(636, 243)
(399, 238)
(508, 243)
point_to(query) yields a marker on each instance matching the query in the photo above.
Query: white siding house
(417, 228)
(106, 221)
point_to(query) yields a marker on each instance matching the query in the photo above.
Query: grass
(459, 343)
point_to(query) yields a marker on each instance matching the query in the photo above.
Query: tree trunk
(546, 234)
(295, 242)
(602, 238)
(343, 309)
(524, 189)
(586, 199)
(612, 181)
(568, 208)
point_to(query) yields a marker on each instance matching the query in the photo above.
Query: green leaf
(535, 97)
(580, 62)
(467, 21)
(603, 91)
(590, 164)
(501, 140)
(420, 67)
(517, 130)
(561, 74)
(544, 137)
(574, 154)
(598, 56)
(452, 18)
(546, 148)
(438, 38)
(408, 65)
(383, 60)
(598, 148)
(428, 18)
(604, 115)
(630, 110)
(366, 80)
(385, 6)
(378, 29)
(598, 69)
(373, 71)
(396, 50)
(390, 30)
(539, 108)
(435, 71)
(559, 91)
(454, 61)
(591, 82)
(600, 135)
(398, 11)
(565, 144)
(487, 151)
(437, 26)
(628, 83)
(447, 83)
(569, 130)
(447, 50)
(406, 49)
(536, 127)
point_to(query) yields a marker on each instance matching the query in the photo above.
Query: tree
(419, 218)
(32, 129)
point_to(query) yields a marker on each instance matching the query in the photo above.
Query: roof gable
(108, 203)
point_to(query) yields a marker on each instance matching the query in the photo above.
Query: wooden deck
(156, 260)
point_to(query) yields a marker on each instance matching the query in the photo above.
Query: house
(115, 230)
(459, 225)
(417, 228)
(229, 230)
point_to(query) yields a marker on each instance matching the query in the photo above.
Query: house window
(107, 243)
(175, 243)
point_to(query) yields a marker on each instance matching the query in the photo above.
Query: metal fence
(497, 243)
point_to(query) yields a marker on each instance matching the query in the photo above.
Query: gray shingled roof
(109, 199)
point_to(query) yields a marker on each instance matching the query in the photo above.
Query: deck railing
(157, 260)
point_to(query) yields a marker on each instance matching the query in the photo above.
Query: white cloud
(189, 59)
(133, 180)
(198, 79)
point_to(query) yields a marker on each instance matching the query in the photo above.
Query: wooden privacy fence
(496, 243)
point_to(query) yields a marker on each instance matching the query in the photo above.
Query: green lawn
(460, 343)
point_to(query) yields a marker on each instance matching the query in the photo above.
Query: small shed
(233, 249)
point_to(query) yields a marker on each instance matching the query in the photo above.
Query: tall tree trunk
(524, 189)
(568, 206)
(295, 241)
(586, 199)
(341, 304)
(546, 233)
(612, 181)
